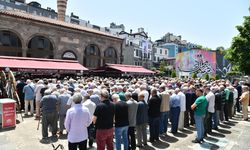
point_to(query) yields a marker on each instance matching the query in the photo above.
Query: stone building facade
(26, 35)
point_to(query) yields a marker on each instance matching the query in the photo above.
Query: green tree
(173, 74)
(217, 77)
(163, 66)
(239, 52)
(207, 77)
(194, 76)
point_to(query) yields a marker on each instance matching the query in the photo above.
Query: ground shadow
(186, 131)
(169, 139)
(147, 147)
(210, 146)
(180, 135)
(17, 121)
(230, 123)
(224, 131)
(224, 126)
(7, 129)
(215, 134)
(211, 139)
(160, 144)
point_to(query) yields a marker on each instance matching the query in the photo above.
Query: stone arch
(92, 56)
(110, 56)
(11, 43)
(40, 46)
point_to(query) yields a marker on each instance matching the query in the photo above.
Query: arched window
(10, 44)
(40, 47)
(69, 55)
(110, 56)
(92, 57)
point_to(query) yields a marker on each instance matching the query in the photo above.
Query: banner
(8, 115)
(144, 46)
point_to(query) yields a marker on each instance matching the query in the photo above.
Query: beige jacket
(165, 96)
(244, 99)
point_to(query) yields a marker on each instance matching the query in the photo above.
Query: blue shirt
(62, 101)
(175, 101)
(28, 91)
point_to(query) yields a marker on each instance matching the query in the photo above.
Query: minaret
(61, 9)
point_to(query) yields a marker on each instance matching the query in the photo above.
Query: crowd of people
(99, 109)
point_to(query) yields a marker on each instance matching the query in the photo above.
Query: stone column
(61, 9)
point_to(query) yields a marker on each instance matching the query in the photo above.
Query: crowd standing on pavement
(100, 109)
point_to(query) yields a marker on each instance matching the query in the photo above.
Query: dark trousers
(226, 111)
(174, 118)
(208, 122)
(91, 133)
(81, 145)
(230, 109)
(131, 138)
(238, 108)
(49, 119)
(154, 128)
(188, 118)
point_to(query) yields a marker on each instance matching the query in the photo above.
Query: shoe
(140, 146)
(44, 140)
(196, 141)
(245, 119)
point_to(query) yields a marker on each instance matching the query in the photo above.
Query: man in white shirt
(38, 94)
(91, 129)
(77, 120)
(183, 108)
(146, 93)
(210, 110)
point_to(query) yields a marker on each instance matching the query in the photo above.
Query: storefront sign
(8, 115)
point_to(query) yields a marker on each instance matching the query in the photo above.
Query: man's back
(132, 111)
(48, 103)
(154, 105)
(105, 114)
(121, 114)
(165, 101)
(142, 113)
(62, 101)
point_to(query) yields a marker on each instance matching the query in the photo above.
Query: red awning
(37, 64)
(129, 68)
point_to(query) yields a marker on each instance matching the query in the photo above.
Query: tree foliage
(163, 66)
(173, 74)
(239, 52)
(194, 75)
(207, 77)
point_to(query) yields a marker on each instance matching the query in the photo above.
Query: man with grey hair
(182, 108)
(164, 109)
(154, 105)
(103, 119)
(28, 91)
(49, 115)
(141, 121)
(77, 120)
(132, 111)
(38, 94)
(62, 103)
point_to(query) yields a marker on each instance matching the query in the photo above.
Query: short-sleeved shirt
(201, 107)
(104, 112)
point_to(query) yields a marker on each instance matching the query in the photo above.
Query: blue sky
(210, 23)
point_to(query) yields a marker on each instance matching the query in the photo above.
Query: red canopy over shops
(24, 64)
